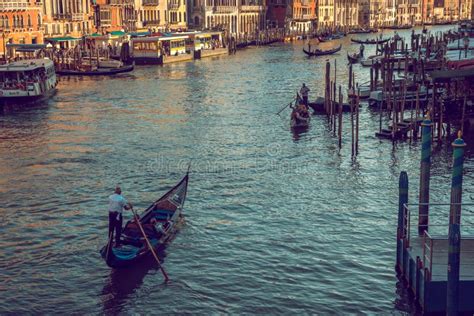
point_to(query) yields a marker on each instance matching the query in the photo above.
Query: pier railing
(432, 244)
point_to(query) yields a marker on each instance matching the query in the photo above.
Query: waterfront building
(465, 8)
(304, 16)
(177, 15)
(151, 14)
(221, 14)
(276, 13)
(346, 13)
(252, 17)
(21, 23)
(325, 14)
(408, 12)
(67, 18)
(364, 13)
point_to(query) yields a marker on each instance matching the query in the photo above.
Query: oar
(137, 219)
(286, 106)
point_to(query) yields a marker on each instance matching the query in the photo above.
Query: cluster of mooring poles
(414, 262)
(422, 77)
(334, 107)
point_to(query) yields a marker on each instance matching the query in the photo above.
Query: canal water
(276, 222)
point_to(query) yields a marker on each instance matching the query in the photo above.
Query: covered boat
(318, 52)
(27, 80)
(159, 221)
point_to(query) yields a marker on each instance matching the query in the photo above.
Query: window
(29, 20)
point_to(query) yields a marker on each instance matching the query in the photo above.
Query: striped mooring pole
(423, 208)
(454, 236)
(402, 200)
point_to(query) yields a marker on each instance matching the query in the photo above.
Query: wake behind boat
(319, 52)
(159, 222)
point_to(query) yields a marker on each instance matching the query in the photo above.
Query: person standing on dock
(116, 205)
(304, 91)
(361, 50)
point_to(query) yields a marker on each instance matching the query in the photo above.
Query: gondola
(322, 52)
(360, 31)
(159, 221)
(354, 59)
(98, 72)
(370, 41)
(299, 120)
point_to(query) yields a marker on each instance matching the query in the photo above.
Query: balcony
(62, 16)
(151, 2)
(77, 16)
(10, 6)
(151, 23)
(224, 9)
(252, 8)
(308, 16)
(121, 2)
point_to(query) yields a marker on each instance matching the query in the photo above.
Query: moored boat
(354, 59)
(159, 221)
(27, 79)
(103, 71)
(318, 52)
(370, 41)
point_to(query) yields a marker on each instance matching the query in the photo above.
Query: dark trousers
(305, 100)
(115, 224)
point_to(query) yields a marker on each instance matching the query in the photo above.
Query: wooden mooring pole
(402, 200)
(454, 235)
(423, 210)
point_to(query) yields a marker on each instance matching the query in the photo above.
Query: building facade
(304, 16)
(21, 23)
(325, 14)
(276, 13)
(346, 13)
(67, 18)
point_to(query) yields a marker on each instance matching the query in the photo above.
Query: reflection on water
(278, 221)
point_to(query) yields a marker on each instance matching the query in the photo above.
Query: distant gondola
(98, 72)
(370, 41)
(354, 59)
(318, 52)
(360, 31)
(328, 38)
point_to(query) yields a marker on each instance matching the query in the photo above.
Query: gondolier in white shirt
(304, 91)
(117, 203)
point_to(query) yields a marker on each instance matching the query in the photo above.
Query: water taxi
(27, 79)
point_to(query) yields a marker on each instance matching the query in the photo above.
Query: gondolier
(116, 205)
(304, 91)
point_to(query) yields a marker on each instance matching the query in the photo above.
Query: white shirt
(116, 203)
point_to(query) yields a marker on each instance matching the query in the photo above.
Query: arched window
(29, 20)
(39, 19)
(21, 21)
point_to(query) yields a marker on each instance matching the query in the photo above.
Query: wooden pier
(435, 248)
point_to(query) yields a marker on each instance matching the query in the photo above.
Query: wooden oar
(137, 219)
(286, 106)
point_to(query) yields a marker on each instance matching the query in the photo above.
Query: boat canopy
(26, 65)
